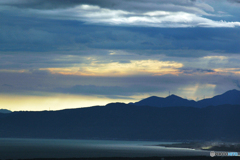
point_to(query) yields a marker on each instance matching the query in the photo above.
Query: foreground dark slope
(128, 122)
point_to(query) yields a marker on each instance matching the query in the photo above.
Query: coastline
(144, 158)
(208, 146)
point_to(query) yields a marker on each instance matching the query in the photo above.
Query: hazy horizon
(99, 104)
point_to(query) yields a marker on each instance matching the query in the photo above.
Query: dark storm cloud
(44, 35)
(220, 39)
(196, 70)
(42, 4)
(7, 85)
(23, 32)
(234, 1)
(34, 61)
(41, 35)
(128, 5)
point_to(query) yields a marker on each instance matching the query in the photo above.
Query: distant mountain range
(5, 111)
(230, 97)
(131, 122)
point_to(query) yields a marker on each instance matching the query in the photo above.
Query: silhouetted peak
(153, 97)
(230, 93)
(229, 97)
(5, 111)
(234, 91)
(116, 104)
(173, 96)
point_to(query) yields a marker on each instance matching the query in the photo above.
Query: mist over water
(11, 148)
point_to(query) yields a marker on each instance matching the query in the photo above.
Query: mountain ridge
(122, 121)
(126, 122)
(230, 97)
(5, 111)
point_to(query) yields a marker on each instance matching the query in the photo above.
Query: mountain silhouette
(177, 121)
(230, 97)
(126, 122)
(169, 101)
(5, 111)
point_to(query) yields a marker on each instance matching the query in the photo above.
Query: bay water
(14, 148)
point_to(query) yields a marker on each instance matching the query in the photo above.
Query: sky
(58, 54)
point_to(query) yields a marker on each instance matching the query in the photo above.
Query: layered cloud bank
(118, 50)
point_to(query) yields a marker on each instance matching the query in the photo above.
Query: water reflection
(51, 148)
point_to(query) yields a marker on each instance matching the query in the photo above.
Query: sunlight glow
(227, 71)
(216, 57)
(135, 67)
(198, 91)
(52, 102)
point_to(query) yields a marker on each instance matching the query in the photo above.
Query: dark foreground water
(11, 148)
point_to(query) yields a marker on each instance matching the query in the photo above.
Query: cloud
(108, 91)
(25, 35)
(70, 37)
(38, 34)
(39, 83)
(237, 82)
(118, 48)
(228, 71)
(196, 70)
(135, 67)
(97, 15)
(7, 85)
(152, 13)
(234, 1)
(136, 6)
(221, 58)
(215, 61)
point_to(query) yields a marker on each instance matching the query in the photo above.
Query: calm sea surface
(11, 148)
